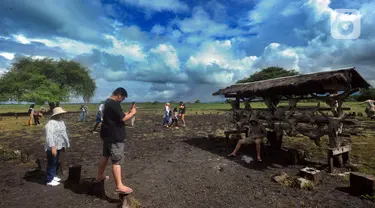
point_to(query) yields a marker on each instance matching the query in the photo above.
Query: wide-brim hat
(57, 111)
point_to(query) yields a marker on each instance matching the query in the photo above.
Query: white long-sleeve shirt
(56, 135)
(166, 111)
(101, 107)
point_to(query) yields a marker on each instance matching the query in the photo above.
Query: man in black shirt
(113, 135)
(182, 113)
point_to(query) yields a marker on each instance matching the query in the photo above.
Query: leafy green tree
(46, 80)
(197, 101)
(366, 94)
(269, 73)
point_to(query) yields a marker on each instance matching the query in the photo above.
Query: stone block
(361, 184)
(304, 183)
(312, 174)
(280, 177)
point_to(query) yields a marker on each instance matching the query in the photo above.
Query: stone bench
(362, 184)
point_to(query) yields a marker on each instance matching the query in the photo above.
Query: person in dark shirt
(113, 135)
(31, 114)
(182, 113)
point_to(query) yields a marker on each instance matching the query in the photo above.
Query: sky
(181, 50)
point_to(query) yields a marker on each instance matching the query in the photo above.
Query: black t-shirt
(113, 128)
(182, 109)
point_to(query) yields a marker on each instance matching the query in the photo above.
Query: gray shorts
(113, 150)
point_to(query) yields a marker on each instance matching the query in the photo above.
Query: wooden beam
(318, 119)
(301, 108)
(339, 150)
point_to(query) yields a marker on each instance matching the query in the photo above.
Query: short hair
(181, 102)
(120, 91)
(133, 103)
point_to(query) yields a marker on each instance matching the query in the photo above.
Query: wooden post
(330, 161)
(237, 106)
(97, 188)
(39, 162)
(361, 184)
(74, 174)
(345, 158)
(338, 151)
(227, 137)
(275, 139)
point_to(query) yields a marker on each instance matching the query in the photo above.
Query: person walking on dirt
(113, 134)
(37, 115)
(99, 117)
(182, 113)
(31, 115)
(175, 118)
(370, 109)
(83, 115)
(56, 142)
(132, 120)
(257, 132)
(166, 115)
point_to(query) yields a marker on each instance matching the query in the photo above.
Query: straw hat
(58, 110)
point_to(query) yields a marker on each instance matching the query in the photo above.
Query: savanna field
(184, 167)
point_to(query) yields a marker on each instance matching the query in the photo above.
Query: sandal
(232, 155)
(124, 192)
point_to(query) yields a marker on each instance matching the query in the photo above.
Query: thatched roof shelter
(320, 83)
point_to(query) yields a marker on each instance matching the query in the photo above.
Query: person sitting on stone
(256, 132)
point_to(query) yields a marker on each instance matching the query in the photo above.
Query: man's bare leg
(238, 146)
(102, 164)
(116, 169)
(183, 119)
(257, 145)
(96, 126)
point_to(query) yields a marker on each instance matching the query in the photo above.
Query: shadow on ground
(36, 176)
(271, 158)
(86, 187)
(345, 189)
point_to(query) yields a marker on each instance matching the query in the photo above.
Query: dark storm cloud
(45, 19)
(34, 48)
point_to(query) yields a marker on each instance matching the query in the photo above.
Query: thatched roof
(321, 82)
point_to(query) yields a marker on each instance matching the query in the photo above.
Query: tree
(197, 101)
(46, 80)
(366, 94)
(269, 73)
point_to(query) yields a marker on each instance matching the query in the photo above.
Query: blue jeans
(83, 116)
(166, 120)
(51, 165)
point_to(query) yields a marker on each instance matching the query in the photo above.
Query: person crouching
(256, 133)
(56, 141)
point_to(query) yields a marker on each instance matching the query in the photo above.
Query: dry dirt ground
(166, 168)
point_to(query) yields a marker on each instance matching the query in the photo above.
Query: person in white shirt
(56, 141)
(132, 120)
(99, 117)
(166, 115)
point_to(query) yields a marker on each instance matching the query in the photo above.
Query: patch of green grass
(368, 197)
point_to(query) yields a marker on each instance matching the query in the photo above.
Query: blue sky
(184, 50)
